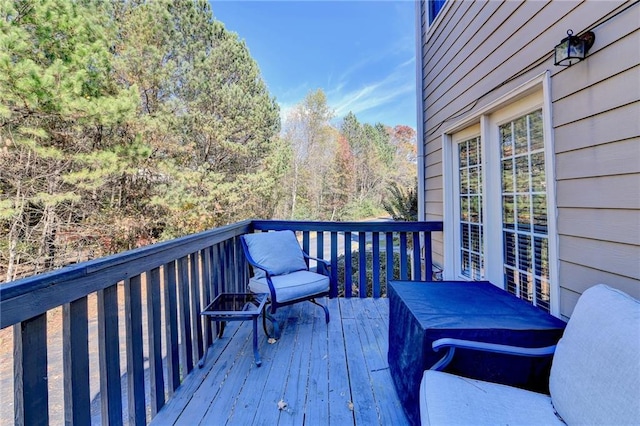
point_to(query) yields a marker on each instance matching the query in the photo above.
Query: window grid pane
(470, 215)
(524, 210)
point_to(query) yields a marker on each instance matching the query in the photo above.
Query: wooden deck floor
(327, 374)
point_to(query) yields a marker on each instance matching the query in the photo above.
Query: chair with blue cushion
(280, 269)
(594, 380)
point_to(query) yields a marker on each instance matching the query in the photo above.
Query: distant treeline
(126, 123)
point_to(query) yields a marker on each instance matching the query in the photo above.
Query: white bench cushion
(447, 399)
(595, 375)
(292, 286)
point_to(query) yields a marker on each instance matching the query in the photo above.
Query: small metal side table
(236, 307)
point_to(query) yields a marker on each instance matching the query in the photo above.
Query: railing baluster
(31, 405)
(305, 243)
(185, 318)
(389, 250)
(227, 282)
(218, 276)
(171, 326)
(233, 265)
(135, 357)
(207, 279)
(428, 261)
(362, 263)
(375, 264)
(334, 264)
(109, 356)
(154, 326)
(241, 266)
(404, 273)
(320, 244)
(348, 282)
(417, 270)
(75, 330)
(196, 320)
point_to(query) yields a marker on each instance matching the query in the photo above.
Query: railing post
(77, 403)
(31, 405)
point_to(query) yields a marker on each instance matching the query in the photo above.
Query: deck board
(318, 369)
(295, 394)
(339, 389)
(318, 386)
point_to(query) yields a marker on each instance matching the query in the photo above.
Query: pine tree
(58, 107)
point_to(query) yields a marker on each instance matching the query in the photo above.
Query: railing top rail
(27, 297)
(368, 226)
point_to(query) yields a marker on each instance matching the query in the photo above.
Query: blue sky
(360, 53)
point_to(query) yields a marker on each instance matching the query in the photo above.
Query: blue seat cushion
(277, 251)
(296, 285)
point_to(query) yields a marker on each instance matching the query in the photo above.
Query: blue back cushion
(278, 251)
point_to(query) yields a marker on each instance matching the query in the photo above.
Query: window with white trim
(524, 209)
(469, 215)
(498, 169)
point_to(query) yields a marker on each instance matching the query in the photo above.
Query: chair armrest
(452, 344)
(323, 265)
(326, 262)
(259, 266)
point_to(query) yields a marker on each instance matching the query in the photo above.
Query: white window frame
(534, 94)
(464, 135)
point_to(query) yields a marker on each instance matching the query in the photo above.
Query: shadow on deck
(334, 373)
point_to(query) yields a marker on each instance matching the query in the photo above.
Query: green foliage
(358, 210)
(355, 273)
(402, 203)
(58, 101)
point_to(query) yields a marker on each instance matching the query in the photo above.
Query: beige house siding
(478, 51)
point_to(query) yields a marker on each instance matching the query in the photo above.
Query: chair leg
(326, 311)
(276, 328)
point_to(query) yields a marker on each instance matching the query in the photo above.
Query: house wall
(477, 51)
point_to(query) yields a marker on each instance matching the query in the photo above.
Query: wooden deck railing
(168, 284)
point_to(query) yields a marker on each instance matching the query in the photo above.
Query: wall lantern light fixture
(573, 49)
